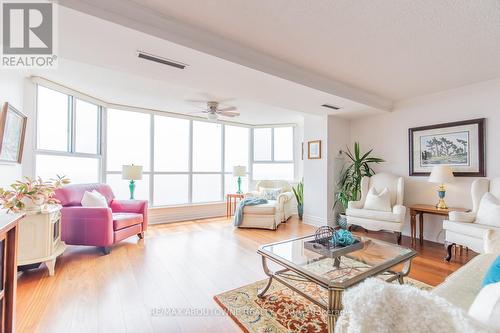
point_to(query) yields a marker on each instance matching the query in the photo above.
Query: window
(171, 144)
(207, 188)
(207, 146)
(52, 120)
(236, 141)
(77, 169)
(273, 153)
(87, 119)
(262, 144)
(128, 139)
(283, 144)
(68, 137)
(184, 161)
(170, 189)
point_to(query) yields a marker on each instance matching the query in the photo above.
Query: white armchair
(462, 228)
(379, 220)
(274, 212)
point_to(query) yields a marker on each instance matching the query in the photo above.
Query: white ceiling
(386, 49)
(277, 59)
(99, 58)
(394, 48)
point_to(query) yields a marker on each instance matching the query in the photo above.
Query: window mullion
(190, 163)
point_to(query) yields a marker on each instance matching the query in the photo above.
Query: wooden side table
(420, 210)
(231, 202)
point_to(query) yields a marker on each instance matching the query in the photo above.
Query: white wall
(338, 139)
(320, 177)
(316, 172)
(387, 134)
(11, 90)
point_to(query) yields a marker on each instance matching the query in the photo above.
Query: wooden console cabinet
(40, 239)
(8, 270)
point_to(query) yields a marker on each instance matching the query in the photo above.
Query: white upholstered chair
(461, 228)
(379, 220)
(271, 214)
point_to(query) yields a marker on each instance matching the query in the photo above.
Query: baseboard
(315, 220)
(186, 213)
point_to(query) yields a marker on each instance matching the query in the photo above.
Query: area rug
(281, 310)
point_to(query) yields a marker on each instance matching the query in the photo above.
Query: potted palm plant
(299, 195)
(349, 185)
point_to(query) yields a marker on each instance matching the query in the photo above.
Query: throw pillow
(489, 211)
(486, 306)
(493, 273)
(378, 201)
(270, 193)
(94, 199)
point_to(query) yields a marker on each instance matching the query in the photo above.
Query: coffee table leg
(268, 272)
(334, 308)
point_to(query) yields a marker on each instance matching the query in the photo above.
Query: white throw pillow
(486, 306)
(489, 211)
(378, 201)
(270, 193)
(94, 199)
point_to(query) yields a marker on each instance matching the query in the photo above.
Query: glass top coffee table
(303, 260)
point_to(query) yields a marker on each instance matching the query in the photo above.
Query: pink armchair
(104, 226)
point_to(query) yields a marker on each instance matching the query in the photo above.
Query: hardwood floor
(181, 266)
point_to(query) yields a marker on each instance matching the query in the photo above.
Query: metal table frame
(333, 306)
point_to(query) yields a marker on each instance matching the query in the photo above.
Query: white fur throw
(376, 306)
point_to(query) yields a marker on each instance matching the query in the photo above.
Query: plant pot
(342, 221)
(300, 211)
(33, 204)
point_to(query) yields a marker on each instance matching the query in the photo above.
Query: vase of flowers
(31, 194)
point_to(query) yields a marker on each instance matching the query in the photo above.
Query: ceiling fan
(213, 111)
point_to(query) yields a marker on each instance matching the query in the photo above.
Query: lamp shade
(132, 172)
(239, 171)
(441, 174)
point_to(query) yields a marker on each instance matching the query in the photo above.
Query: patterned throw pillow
(270, 193)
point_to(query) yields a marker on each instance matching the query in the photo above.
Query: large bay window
(184, 160)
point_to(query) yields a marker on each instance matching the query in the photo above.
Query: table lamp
(441, 174)
(239, 171)
(132, 173)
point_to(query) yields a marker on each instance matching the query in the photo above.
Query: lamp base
(131, 187)
(239, 186)
(441, 204)
(441, 193)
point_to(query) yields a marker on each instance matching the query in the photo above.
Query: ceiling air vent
(331, 106)
(161, 60)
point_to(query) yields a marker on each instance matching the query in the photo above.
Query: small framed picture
(314, 150)
(12, 132)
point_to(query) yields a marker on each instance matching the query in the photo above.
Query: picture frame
(12, 133)
(314, 150)
(460, 145)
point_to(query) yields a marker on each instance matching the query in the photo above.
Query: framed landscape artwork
(12, 132)
(459, 145)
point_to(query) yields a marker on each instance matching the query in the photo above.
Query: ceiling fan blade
(229, 114)
(229, 108)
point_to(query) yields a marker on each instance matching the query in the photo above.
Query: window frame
(71, 129)
(101, 154)
(273, 160)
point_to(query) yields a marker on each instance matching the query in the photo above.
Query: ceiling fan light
(212, 116)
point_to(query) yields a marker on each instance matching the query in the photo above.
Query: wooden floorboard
(177, 266)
